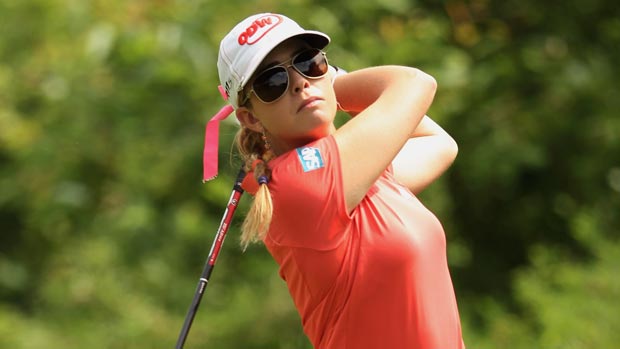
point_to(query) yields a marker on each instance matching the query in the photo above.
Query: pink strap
(212, 135)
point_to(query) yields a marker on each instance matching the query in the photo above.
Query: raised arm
(391, 101)
(425, 156)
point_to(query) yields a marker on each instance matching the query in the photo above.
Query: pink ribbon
(212, 136)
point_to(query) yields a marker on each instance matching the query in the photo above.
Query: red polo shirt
(375, 278)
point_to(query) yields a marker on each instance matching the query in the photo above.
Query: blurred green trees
(105, 224)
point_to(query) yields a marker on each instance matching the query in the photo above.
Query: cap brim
(314, 38)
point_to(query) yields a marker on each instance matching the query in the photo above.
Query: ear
(247, 119)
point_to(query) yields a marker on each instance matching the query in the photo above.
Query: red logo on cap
(259, 28)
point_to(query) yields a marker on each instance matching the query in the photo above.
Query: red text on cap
(259, 28)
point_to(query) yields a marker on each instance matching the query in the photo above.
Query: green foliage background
(105, 224)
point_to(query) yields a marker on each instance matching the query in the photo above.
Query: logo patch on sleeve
(310, 158)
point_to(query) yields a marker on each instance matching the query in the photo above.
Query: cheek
(329, 94)
(331, 100)
(273, 116)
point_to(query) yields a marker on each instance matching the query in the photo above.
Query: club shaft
(216, 247)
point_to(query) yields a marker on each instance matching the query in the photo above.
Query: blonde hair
(252, 146)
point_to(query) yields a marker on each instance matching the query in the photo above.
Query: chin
(325, 114)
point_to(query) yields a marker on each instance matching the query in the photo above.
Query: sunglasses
(271, 84)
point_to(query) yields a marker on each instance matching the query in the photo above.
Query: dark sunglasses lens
(271, 84)
(311, 63)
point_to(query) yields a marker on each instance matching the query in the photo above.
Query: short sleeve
(308, 199)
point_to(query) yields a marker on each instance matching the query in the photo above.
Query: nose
(298, 82)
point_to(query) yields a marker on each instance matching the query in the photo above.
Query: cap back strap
(212, 135)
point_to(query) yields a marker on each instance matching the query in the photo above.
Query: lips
(307, 102)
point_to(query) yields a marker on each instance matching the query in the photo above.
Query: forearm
(425, 157)
(357, 90)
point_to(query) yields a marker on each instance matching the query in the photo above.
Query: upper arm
(391, 102)
(302, 182)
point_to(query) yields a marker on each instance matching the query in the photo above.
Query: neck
(281, 146)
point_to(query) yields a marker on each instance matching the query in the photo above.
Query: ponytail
(257, 221)
(256, 156)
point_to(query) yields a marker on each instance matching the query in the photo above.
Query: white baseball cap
(249, 42)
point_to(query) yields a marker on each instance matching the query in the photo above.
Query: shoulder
(302, 167)
(308, 201)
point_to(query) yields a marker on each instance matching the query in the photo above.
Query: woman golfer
(364, 260)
